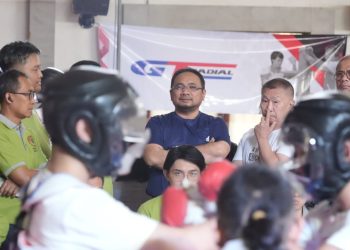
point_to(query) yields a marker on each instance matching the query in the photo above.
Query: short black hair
(184, 152)
(252, 203)
(16, 53)
(9, 82)
(190, 70)
(278, 83)
(276, 54)
(85, 63)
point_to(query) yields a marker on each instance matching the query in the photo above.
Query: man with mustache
(186, 125)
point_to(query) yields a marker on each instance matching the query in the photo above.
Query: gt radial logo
(156, 68)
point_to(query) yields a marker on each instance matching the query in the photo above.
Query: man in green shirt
(20, 152)
(25, 57)
(182, 168)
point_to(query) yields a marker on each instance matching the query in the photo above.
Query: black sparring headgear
(104, 101)
(318, 128)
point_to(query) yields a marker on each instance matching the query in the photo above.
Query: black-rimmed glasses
(31, 94)
(340, 74)
(181, 87)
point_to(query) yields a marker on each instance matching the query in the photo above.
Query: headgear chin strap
(100, 98)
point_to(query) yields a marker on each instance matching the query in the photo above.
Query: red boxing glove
(174, 206)
(213, 177)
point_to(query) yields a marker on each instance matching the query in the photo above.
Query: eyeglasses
(31, 94)
(180, 175)
(340, 74)
(181, 88)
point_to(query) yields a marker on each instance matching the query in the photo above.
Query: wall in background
(53, 27)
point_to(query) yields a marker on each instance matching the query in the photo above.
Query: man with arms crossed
(186, 125)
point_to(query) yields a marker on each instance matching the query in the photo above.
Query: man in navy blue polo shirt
(186, 125)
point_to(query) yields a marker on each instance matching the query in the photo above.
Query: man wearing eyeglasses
(25, 57)
(186, 125)
(20, 153)
(342, 74)
(182, 168)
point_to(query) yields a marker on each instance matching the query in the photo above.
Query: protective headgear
(318, 128)
(106, 103)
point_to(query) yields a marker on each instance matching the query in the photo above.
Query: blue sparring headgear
(318, 128)
(105, 102)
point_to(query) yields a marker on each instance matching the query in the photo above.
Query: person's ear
(8, 98)
(166, 174)
(204, 92)
(83, 130)
(292, 103)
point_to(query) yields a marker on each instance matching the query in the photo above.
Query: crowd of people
(65, 135)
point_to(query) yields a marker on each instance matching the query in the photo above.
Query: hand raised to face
(266, 125)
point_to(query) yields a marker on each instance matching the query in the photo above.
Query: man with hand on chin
(263, 143)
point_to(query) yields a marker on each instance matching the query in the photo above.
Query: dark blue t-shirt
(171, 130)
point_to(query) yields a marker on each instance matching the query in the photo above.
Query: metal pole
(117, 35)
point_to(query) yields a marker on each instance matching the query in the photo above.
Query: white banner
(234, 64)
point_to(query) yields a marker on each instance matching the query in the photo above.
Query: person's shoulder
(147, 205)
(210, 118)
(3, 128)
(248, 133)
(152, 208)
(206, 116)
(163, 117)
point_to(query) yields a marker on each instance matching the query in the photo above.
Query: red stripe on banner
(319, 75)
(293, 45)
(103, 45)
(181, 65)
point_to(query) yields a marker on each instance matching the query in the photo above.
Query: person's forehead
(183, 165)
(187, 76)
(276, 92)
(344, 64)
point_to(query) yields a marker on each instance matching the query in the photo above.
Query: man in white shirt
(263, 143)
